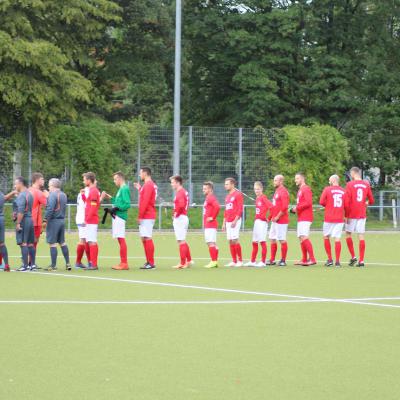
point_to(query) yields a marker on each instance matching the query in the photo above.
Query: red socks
(184, 253)
(263, 252)
(350, 246)
(94, 252)
(274, 249)
(338, 249)
(284, 249)
(87, 250)
(303, 252)
(213, 253)
(188, 255)
(148, 246)
(80, 249)
(123, 251)
(232, 248)
(362, 250)
(254, 252)
(328, 249)
(239, 251)
(309, 247)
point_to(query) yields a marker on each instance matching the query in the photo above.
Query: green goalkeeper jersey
(122, 200)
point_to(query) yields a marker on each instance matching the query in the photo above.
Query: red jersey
(304, 204)
(357, 194)
(181, 203)
(333, 199)
(39, 201)
(280, 203)
(233, 206)
(211, 209)
(92, 205)
(147, 200)
(262, 206)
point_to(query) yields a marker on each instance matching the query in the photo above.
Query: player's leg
(303, 259)
(262, 232)
(327, 232)
(30, 240)
(254, 242)
(337, 235)
(94, 249)
(118, 232)
(63, 244)
(350, 228)
(180, 228)
(3, 247)
(282, 236)
(304, 234)
(210, 236)
(37, 230)
(360, 229)
(274, 245)
(238, 245)
(81, 247)
(146, 235)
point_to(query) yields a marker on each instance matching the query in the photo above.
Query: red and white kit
(181, 220)
(92, 205)
(358, 196)
(147, 208)
(260, 229)
(333, 199)
(233, 209)
(280, 203)
(304, 210)
(211, 209)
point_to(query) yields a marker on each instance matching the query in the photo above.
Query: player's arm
(347, 200)
(322, 200)
(50, 207)
(216, 210)
(145, 197)
(370, 197)
(8, 196)
(94, 203)
(284, 207)
(42, 199)
(180, 205)
(20, 206)
(123, 202)
(306, 201)
(238, 210)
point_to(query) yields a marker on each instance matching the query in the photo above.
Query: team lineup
(345, 210)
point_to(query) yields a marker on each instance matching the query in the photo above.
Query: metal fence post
(159, 217)
(190, 163)
(380, 205)
(30, 153)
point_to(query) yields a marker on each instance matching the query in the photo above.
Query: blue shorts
(55, 231)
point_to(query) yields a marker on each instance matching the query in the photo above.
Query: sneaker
(23, 268)
(300, 262)
(231, 264)
(239, 264)
(33, 267)
(337, 264)
(212, 264)
(250, 264)
(360, 264)
(92, 268)
(309, 263)
(180, 266)
(328, 263)
(121, 267)
(190, 263)
(68, 267)
(270, 262)
(148, 266)
(260, 265)
(282, 263)
(352, 262)
(51, 268)
(6, 268)
(80, 266)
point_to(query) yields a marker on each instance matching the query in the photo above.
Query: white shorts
(278, 231)
(356, 225)
(118, 227)
(146, 227)
(210, 235)
(181, 225)
(260, 231)
(303, 228)
(233, 233)
(333, 229)
(91, 233)
(82, 231)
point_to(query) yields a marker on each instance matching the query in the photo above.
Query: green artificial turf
(292, 350)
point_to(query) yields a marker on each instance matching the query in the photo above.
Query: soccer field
(245, 333)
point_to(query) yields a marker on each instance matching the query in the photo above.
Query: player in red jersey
(147, 215)
(260, 229)
(304, 211)
(181, 221)
(333, 199)
(211, 210)
(92, 204)
(280, 220)
(39, 201)
(358, 197)
(233, 221)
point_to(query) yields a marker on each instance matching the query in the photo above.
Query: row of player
(343, 208)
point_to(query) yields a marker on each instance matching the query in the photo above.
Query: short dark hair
(356, 170)
(209, 184)
(176, 178)
(22, 180)
(91, 176)
(301, 174)
(120, 174)
(147, 170)
(36, 176)
(231, 180)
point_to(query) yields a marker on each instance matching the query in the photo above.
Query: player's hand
(44, 224)
(18, 227)
(82, 191)
(137, 185)
(46, 193)
(294, 210)
(210, 219)
(233, 224)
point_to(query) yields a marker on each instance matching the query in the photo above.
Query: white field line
(224, 290)
(208, 258)
(152, 301)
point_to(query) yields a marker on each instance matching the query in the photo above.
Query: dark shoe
(6, 268)
(23, 268)
(360, 264)
(80, 266)
(91, 268)
(51, 268)
(270, 262)
(352, 262)
(328, 263)
(282, 263)
(148, 266)
(68, 267)
(337, 265)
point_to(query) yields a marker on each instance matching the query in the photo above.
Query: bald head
(334, 180)
(278, 180)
